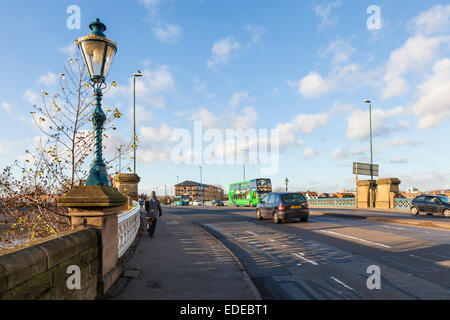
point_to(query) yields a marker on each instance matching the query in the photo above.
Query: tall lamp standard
(286, 181)
(135, 75)
(98, 53)
(371, 152)
(243, 160)
(201, 185)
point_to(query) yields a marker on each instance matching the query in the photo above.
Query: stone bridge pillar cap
(92, 197)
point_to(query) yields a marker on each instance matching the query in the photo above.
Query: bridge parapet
(40, 270)
(332, 203)
(99, 207)
(128, 223)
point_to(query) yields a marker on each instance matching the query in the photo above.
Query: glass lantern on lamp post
(98, 53)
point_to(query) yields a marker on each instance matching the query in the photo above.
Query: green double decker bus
(181, 200)
(249, 193)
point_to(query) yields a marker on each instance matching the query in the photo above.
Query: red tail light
(306, 206)
(281, 208)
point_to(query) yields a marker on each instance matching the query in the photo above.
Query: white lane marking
(355, 238)
(299, 264)
(394, 228)
(424, 259)
(254, 234)
(341, 283)
(301, 256)
(272, 240)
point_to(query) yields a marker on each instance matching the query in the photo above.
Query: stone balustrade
(129, 223)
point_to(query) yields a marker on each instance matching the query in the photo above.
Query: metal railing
(332, 202)
(402, 203)
(129, 223)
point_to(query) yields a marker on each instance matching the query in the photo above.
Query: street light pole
(286, 181)
(138, 74)
(243, 160)
(201, 184)
(371, 153)
(98, 52)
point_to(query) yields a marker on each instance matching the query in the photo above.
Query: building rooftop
(189, 183)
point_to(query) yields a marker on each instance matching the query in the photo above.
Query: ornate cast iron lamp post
(98, 53)
(286, 181)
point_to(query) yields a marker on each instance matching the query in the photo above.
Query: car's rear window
(293, 198)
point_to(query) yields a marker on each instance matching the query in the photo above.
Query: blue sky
(302, 67)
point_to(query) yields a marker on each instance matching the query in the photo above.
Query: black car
(281, 206)
(430, 205)
(217, 203)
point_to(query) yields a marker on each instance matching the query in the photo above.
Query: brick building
(197, 191)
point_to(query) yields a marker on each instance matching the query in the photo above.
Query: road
(328, 257)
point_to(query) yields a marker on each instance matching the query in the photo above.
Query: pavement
(182, 262)
(386, 215)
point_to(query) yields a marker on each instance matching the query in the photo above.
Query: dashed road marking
(356, 238)
(424, 259)
(252, 233)
(301, 256)
(342, 283)
(394, 228)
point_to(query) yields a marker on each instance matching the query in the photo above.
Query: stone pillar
(387, 190)
(98, 207)
(364, 196)
(127, 184)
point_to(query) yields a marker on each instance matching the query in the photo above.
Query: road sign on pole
(364, 169)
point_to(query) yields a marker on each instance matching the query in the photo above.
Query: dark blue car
(430, 205)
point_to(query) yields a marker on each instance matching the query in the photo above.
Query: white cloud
(48, 79)
(7, 147)
(399, 160)
(68, 50)
(309, 153)
(246, 120)
(32, 97)
(434, 20)
(325, 13)
(305, 123)
(341, 77)
(200, 88)
(313, 85)
(152, 6)
(342, 154)
(208, 119)
(142, 114)
(150, 88)
(169, 33)
(415, 55)
(6, 106)
(256, 32)
(398, 142)
(155, 135)
(340, 51)
(238, 98)
(159, 79)
(433, 106)
(152, 154)
(222, 51)
(358, 122)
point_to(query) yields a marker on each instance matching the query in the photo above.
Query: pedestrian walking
(151, 206)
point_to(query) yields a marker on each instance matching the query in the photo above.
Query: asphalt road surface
(331, 257)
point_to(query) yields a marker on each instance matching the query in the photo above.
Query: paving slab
(183, 262)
